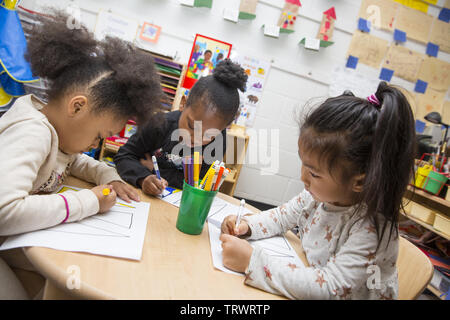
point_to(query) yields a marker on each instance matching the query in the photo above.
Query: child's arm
(344, 276)
(281, 219)
(128, 157)
(88, 169)
(27, 146)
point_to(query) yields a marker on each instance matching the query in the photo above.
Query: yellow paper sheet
(405, 62)
(368, 49)
(415, 4)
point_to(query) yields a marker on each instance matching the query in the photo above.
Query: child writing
(95, 87)
(211, 106)
(357, 160)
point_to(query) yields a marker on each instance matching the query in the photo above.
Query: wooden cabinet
(237, 144)
(420, 209)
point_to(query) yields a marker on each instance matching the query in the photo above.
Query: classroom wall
(296, 74)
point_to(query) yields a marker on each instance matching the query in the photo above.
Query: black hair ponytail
(391, 164)
(116, 76)
(219, 91)
(354, 136)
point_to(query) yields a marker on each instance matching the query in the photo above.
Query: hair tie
(374, 100)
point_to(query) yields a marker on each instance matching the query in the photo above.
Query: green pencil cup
(194, 208)
(434, 183)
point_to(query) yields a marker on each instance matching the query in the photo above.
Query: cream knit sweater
(31, 163)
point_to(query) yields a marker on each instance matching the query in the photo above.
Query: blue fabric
(10, 86)
(13, 47)
(444, 15)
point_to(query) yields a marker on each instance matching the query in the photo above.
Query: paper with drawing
(120, 232)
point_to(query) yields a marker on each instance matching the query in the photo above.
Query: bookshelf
(237, 144)
(438, 205)
(171, 74)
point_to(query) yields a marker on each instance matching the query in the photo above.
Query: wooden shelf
(435, 291)
(427, 226)
(425, 198)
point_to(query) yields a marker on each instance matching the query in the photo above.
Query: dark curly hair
(219, 91)
(117, 76)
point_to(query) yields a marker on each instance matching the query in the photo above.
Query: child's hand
(229, 226)
(236, 253)
(125, 191)
(105, 202)
(152, 185)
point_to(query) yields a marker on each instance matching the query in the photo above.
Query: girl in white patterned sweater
(357, 160)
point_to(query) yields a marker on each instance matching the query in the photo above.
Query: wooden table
(174, 265)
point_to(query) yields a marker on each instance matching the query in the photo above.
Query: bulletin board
(369, 49)
(386, 13)
(416, 24)
(405, 62)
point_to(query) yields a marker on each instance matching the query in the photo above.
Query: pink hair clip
(374, 100)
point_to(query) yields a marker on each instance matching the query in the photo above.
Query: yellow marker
(207, 173)
(106, 191)
(196, 168)
(209, 180)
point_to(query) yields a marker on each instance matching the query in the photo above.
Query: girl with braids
(357, 160)
(211, 106)
(95, 87)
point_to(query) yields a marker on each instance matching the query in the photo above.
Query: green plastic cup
(435, 182)
(194, 208)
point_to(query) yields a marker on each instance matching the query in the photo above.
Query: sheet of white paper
(277, 247)
(115, 25)
(120, 232)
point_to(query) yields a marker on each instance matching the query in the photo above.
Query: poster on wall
(257, 71)
(206, 53)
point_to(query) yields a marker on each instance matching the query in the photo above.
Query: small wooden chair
(415, 270)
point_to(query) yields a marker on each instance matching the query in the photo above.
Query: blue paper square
(444, 15)
(432, 49)
(420, 126)
(352, 62)
(363, 25)
(399, 35)
(421, 86)
(386, 74)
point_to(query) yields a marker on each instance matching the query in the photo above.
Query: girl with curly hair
(94, 88)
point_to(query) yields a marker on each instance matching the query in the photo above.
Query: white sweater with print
(340, 248)
(32, 163)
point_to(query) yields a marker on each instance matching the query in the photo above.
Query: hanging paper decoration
(203, 3)
(197, 3)
(247, 9)
(327, 25)
(289, 16)
(325, 33)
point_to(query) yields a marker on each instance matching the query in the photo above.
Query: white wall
(296, 74)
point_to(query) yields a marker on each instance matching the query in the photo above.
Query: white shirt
(340, 246)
